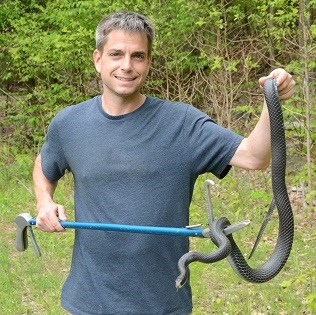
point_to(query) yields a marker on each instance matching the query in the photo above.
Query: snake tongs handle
(21, 241)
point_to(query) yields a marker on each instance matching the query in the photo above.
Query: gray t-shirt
(139, 169)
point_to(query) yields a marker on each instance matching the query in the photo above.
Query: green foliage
(48, 69)
(208, 54)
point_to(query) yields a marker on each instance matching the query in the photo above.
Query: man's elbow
(259, 164)
(247, 159)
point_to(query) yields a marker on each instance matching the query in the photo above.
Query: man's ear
(97, 60)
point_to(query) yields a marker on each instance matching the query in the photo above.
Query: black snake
(227, 246)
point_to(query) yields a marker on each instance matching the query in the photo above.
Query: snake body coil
(219, 238)
(286, 221)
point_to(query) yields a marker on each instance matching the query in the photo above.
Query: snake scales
(226, 244)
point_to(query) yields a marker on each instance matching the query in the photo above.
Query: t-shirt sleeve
(211, 146)
(54, 162)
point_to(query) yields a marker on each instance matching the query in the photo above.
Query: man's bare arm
(49, 212)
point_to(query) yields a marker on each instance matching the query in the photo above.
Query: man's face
(124, 63)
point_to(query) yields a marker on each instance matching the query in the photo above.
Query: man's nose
(127, 63)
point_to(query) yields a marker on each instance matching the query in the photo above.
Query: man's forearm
(259, 140)
(43, 188)
(254, 152)
(49, 212)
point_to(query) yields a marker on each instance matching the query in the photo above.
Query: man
(134, 160)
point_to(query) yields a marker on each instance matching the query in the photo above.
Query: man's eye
(139, 56)
(114, 54)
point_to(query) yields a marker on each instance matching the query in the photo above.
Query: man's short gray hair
(124, 20)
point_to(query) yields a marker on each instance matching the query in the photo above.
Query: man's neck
(119, 105)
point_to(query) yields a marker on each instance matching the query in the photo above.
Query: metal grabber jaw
(23, 225)
(210, 211)
(216, 231)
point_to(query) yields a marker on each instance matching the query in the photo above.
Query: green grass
(31, 285)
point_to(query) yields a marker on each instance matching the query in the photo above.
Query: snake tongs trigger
(22, 222)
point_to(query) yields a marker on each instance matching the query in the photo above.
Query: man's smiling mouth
(125, 79)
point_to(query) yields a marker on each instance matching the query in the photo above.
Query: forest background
(207, 53)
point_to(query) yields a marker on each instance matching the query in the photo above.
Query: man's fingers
(54, 219)
(286, 88)
(285, 82)
(62, 213)
(286, 93)
(48, 219)
(57, 227)
(262, 81)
